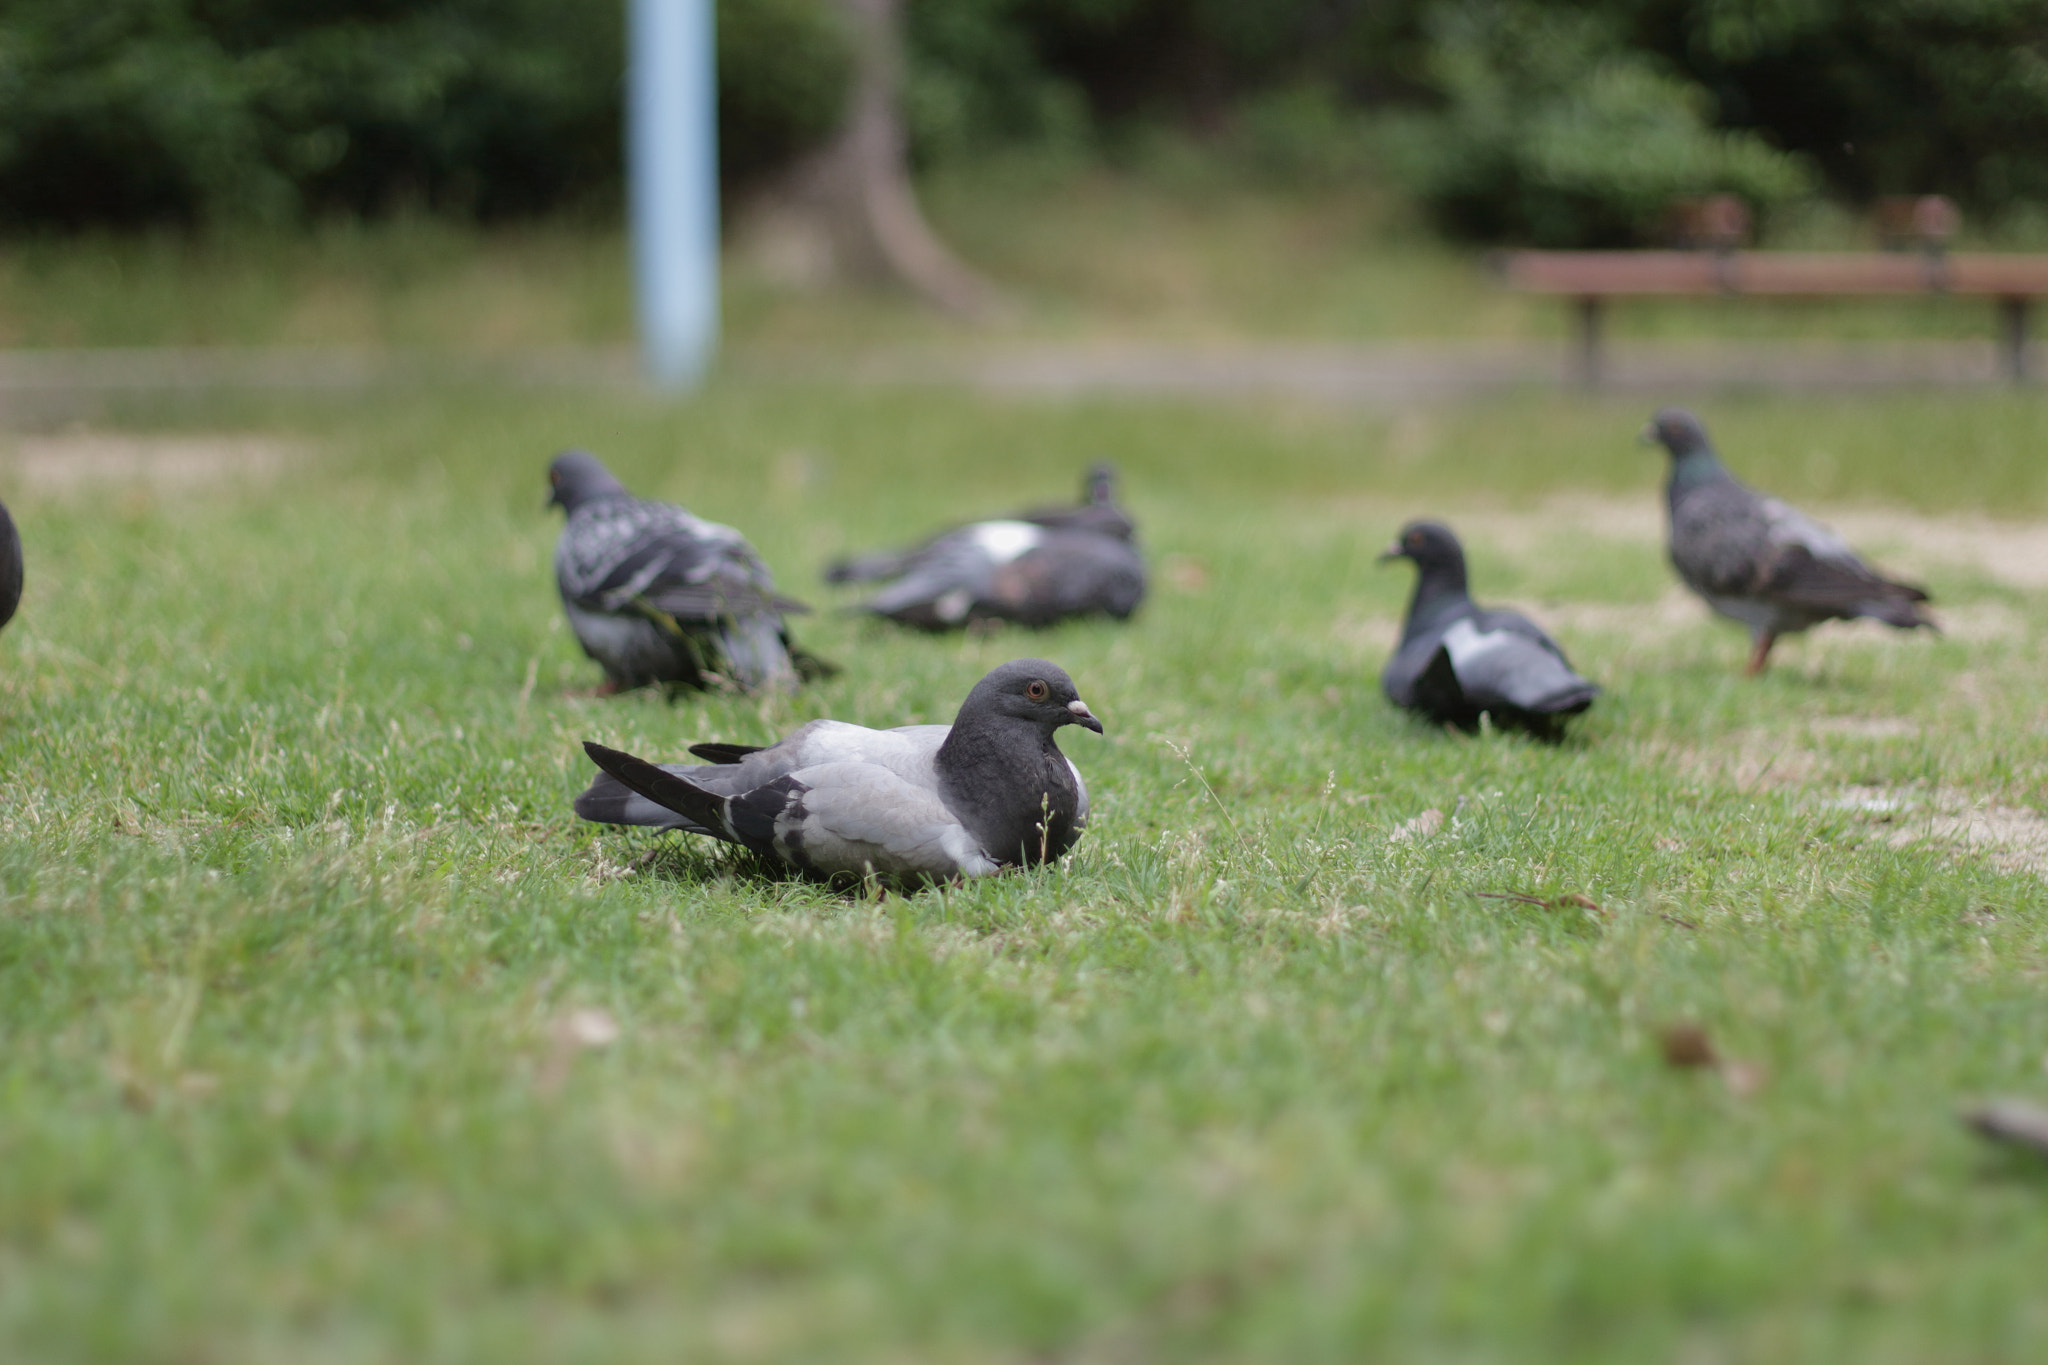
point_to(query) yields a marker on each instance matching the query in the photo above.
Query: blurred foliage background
(1507, 120)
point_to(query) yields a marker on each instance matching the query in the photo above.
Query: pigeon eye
(1037, 690)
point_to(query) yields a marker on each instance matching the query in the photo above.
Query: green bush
(1554, 133)
(134, 111)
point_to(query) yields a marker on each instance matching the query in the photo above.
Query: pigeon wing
(1812, 568)
(1070, 573)
(625, 553)
(862, 817)
(1504, 660)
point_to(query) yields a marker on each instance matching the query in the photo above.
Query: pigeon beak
(1648, 435)
(1083, 716)
(1391, 553)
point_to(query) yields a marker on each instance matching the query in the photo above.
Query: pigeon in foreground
(1457, 660)
(1036, 568)
(1759, 561)
(657, 595)
(10, 567)
(916, 803)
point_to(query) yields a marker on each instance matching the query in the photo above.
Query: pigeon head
(1678, 431)
(576, 477)
(1033, 690)
(1430, 544)
(1100, 489)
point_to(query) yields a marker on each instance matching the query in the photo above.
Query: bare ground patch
(2013, 553)
(2015, 838)
(70, 462)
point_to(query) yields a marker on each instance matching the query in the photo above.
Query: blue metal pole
(672, 162)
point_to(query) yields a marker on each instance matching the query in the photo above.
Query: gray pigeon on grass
(1759, 561)
(10, 567)
(657, 595)
(1458, 661)
(1035, 568)
(917, 803)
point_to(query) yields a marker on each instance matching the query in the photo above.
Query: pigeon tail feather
(699, 810)
(609, 801)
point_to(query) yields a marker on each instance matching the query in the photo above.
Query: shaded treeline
(1509, 119)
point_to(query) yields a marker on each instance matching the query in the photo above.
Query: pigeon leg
(1759, 658)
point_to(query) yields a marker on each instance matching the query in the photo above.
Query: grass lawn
(309, 980)
(1178, 251)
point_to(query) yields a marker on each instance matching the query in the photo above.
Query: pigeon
(1096, 512)
(1457, 661)
(1759, 561)
(10, 566)
(1035, 568)
(919, 803)
(656, 595)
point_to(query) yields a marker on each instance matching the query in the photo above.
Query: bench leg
(2012, 336)
(1588, 362)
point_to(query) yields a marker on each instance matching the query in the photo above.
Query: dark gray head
(577, 477)
(1029, 689)
(1100, 489)
(1431, 545)
(1678, 431)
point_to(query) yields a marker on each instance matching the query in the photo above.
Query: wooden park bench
(1713, 266)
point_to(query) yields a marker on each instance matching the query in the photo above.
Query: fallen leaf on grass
(1421, 827)
(1685, 1045)
(575, 1032)
(2015, 1123)
(589, 1028)
(1185, 574)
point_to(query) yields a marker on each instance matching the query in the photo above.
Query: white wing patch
(1468, 644)
(1003, 541)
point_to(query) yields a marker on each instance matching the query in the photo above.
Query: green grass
(294, 915)
(1179, 251)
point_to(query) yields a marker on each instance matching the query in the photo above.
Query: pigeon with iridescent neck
(1762, 562)
(919, 803)
(1458, 661)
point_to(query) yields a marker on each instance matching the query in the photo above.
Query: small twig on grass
(1570, 898)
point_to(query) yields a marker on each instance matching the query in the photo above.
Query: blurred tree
(136, 111)
(1554, 131)
(1553, 120)
(1884, 96)
(853, 196)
